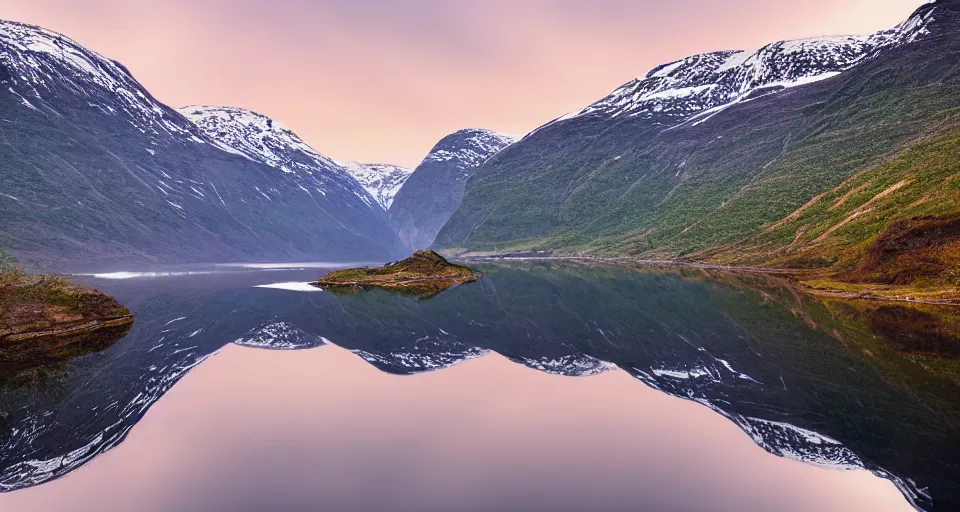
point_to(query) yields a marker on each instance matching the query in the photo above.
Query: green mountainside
(808, 177)
(895, 222)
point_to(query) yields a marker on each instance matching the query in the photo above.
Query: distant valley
(771, 234)
(836, 156)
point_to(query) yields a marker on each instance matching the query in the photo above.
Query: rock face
(45, 320)
(96, 172)
(382, 181)
(913, 249)
(425, 274)
(436, 186)
(701, 157)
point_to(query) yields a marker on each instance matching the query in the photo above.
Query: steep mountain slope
(714, 149)
(264, 140)
(705, 84)
(94, 173)
(382, 181)
(849, 223)
(435, 188)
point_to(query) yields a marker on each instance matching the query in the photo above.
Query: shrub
(6, 261)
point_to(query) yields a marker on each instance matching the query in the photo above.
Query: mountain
(264, 140)
(694, 88)
(95, 173)
(382, 181)
(713, 157)
(433, 191)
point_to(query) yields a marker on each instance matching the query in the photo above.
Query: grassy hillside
(756, 184)
(896, 222)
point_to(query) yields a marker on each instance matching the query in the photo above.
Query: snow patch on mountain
(279, 336)
(800, 444)
(35, 63)
(382, 181)
(572, 365)
(470, 147)
(706, 83)
(256, 136)
(262, 139)
(400, 362)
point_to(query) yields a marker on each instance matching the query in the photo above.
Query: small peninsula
(425, 274)
(46, 320)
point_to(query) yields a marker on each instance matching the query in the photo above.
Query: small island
(45, 320)
(425, 274)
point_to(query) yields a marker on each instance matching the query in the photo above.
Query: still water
(543, 386)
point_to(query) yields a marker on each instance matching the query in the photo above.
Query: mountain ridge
(98, 173)
(265, 140)
(715, 80)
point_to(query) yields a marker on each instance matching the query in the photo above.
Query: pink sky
(382, 81)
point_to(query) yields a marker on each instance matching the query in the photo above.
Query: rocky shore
(46, 320)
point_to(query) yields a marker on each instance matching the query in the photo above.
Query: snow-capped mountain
(703, 84)
(254, 135)
(37, 65)
(264, 140)
(469, 148)
(382, 181)
(434, 190)
(670, 163)
(97, 172)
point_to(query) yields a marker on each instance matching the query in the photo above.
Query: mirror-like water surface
(825, 385)
(322, 430)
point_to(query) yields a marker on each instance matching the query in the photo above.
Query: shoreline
(90, 327)
(391, 283)
(795, 275)
(46, 319)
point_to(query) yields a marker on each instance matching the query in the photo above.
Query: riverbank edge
(814, 282)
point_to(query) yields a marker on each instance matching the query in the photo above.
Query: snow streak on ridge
(706, 83)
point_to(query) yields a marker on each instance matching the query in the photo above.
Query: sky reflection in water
(322, 430)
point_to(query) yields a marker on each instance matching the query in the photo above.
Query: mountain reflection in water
(322, 430)
(833, 383)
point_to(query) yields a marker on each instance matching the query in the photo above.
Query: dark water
(835, 384)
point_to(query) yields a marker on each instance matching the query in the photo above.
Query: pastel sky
(383, 80)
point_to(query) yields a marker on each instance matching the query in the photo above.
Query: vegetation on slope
(759, 184)
(895, 224)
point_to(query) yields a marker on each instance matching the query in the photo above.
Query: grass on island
(46, 319)
(424, 275)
